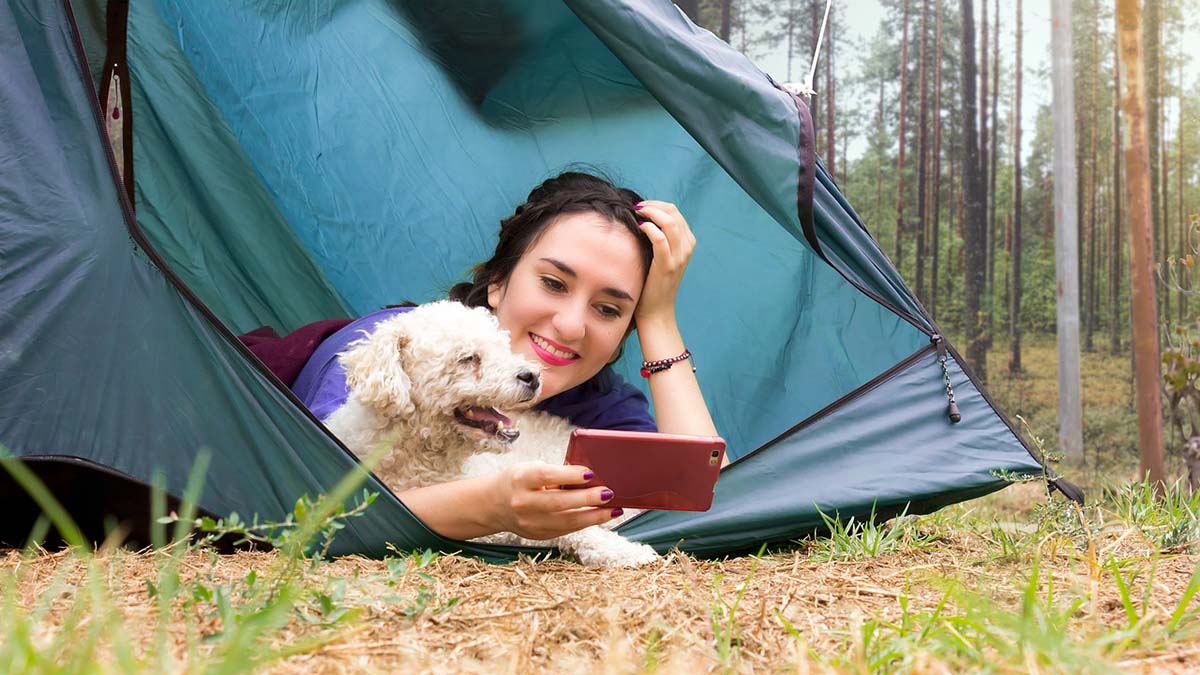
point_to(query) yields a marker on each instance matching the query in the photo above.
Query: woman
(577, 267)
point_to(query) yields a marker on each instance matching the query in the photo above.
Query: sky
(1036, 91)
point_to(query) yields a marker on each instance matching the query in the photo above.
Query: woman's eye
(553, 284)
(608, 311)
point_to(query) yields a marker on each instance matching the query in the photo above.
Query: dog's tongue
(491, 419)
(486, 415)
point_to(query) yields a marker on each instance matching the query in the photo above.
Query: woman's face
(570, 298)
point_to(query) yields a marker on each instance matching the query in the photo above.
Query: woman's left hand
(673, 243)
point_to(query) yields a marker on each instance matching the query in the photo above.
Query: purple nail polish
(637, 207)
(617, 512)
(606, 495)
(588, 475)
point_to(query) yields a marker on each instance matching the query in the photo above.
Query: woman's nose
(570, 323)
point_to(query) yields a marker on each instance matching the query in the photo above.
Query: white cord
(806, 89)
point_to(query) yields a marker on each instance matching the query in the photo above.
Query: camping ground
(948, 142)
(1009, 583)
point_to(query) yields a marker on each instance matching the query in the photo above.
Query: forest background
(894, 128)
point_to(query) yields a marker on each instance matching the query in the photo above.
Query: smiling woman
(568, 301)
(576, 269)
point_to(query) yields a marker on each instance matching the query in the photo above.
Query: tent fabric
(430, 182)
(299, 163)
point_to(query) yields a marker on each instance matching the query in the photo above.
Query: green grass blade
(1184, 601)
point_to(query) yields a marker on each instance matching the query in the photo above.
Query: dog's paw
(640, 554)
(616, 554)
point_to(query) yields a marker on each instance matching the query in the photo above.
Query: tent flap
(297, 163)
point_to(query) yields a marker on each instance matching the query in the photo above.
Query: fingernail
(588, 475)
(618, 511)
(641, 223)
(606, 495)
(637, 206)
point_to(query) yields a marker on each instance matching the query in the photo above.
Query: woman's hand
(529, 502)
(673, 243)
(679, 406)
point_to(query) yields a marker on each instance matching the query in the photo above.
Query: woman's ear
(495, 293)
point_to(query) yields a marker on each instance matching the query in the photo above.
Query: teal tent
(290, 162)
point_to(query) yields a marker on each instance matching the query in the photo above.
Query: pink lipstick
(547, 356)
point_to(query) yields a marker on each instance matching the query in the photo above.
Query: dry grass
(455, 614)
(1007, 584)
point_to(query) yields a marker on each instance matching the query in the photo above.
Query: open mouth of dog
(488, 420)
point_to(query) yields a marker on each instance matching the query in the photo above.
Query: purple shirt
(603, 402)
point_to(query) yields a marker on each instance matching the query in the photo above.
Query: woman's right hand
(529, 502)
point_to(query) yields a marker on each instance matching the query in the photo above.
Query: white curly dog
(429, 385)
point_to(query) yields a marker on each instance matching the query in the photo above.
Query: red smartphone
(647, 470)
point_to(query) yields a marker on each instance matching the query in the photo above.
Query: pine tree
(995, 153)
(1115, 254)
(937, 156)
(975, 210)
(1093, 67)
(1014, 294)
(1138, 164)
(1179, 198)
(900, 199)
(989, 237)
(1152, 12)
(830, 99)
(922, 148)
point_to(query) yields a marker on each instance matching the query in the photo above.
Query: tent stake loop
(952, 409)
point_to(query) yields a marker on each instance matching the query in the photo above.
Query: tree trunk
(995, 153)
(1141, 216)
(903, 116)
(815, 111)
(1161, 188)
(1066, 231)
(937, 156)
(1183, 236)
(691, 8)
(879, 122)
(789, 27)
(1151, 50)
(1079, 69)
(1048, 214)
(974, 227)
(989, 236)
(1014, 294)
(1093, 131)
(830, 93)
(922, 149)
(1115, 255)
(956, 210)
(726, 11)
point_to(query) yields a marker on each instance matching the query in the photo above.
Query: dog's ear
(375, 371)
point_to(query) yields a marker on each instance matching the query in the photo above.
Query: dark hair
(569, 192)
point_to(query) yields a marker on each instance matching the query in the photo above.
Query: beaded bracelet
(651, 367)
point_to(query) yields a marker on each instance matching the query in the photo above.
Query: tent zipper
(952, 412)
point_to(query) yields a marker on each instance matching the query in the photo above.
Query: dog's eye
(472, 360)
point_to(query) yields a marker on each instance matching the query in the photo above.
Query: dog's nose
(530, 378)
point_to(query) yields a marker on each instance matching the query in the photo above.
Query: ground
(1013, 583)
